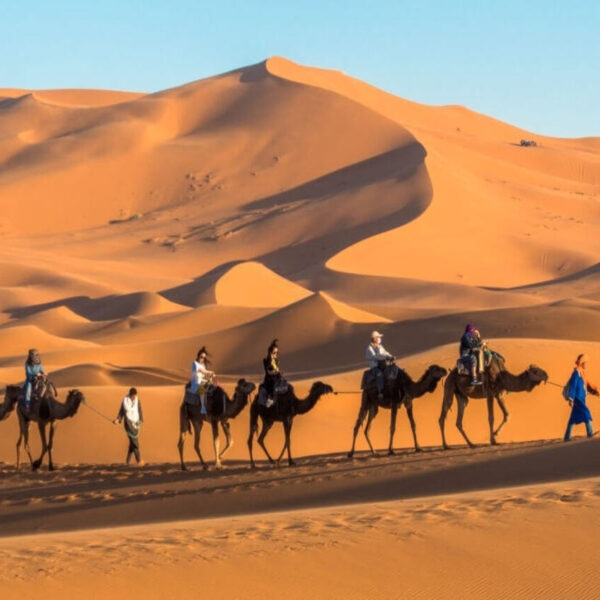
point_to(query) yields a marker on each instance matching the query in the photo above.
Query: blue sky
(532, 63)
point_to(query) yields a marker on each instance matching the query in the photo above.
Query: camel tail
(185, 423)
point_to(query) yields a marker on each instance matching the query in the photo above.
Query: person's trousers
(588, 427)
(134, 448)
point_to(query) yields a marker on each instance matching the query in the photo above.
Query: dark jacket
(469, 343)
(272, 374)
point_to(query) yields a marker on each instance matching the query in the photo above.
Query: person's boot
(202, 406)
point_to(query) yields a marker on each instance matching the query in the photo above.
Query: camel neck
(515, 383)
(418, 388)
(303, 406)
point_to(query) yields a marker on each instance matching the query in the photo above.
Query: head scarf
(33, 357)
(470, 328)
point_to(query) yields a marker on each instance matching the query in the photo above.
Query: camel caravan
(479, 373)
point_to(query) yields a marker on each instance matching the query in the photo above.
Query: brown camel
(219, 409)
(283, 410)
(400, 391)
(44, 411)
(496, 380)
(10, 401)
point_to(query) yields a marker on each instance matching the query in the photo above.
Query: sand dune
(251, 284)
(75, 97)
(17, 340)
(283, 201)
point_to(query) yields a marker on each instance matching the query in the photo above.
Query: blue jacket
(580, 413)
(31, 372)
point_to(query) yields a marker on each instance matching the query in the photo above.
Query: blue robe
(580, 413)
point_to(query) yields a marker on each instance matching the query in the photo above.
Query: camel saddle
(193, 398)
(488, 356)
(213, 406)
(39, 403)
(369, 378)
(280, 388)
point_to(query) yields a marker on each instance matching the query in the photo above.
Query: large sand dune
(284, 201)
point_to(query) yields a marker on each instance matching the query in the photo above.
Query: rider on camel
(376, 357)
(201, 377)
(471, 348)
(33, 371)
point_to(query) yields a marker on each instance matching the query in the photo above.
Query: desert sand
(290, 202)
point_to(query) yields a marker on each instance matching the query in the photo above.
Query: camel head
(74, 399)
(320, 389)
(244, 387)
(11, 394)
(435, 373)
(536, 375)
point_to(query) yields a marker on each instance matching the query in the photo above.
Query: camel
(44, 411)
(10, 401)
(219, 400)
(283, 410)
(402, 392)
(496, 380)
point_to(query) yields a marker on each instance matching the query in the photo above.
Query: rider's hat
(375, 334)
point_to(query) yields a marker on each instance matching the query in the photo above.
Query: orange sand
(286, 201)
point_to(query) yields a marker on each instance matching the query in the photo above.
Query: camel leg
(283, 449)
(23, 438)
(446, 405)
(362, 413)
(505, 414)
(261, 439)
(287, 427)
(38, 463)
(50, 443)
(197, 429)
(228, 438)
(216, 444)
(372, 415)
(393, 417)
(413, 425)
(490, 407)
(250, 442)
(462, 403)
(180, 445)
(19, 449)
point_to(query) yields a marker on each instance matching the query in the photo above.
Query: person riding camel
(272, 372)
(201, 377)
(377, 357)
(33, 371)
(471, 350)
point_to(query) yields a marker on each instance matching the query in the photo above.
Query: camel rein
(97, 412)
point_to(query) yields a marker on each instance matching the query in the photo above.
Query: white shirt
(131, 409)
(376, 354)
(200, 375)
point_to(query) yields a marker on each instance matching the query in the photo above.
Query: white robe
(199, 376)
